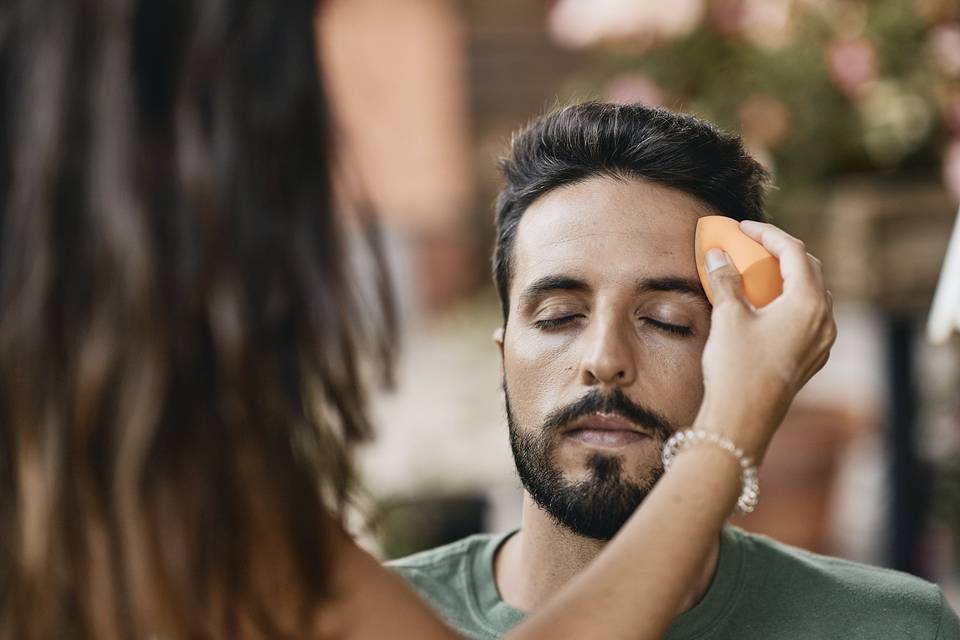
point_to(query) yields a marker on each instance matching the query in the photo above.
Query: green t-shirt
(762, 590)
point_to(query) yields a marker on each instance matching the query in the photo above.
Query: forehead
(608, 231)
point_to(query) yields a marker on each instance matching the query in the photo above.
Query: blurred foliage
(822, 90)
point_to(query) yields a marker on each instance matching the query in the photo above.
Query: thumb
(726, 283)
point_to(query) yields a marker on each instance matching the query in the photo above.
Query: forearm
(635, 587)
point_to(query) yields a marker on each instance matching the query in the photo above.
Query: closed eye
(555, 323)
(675, 329)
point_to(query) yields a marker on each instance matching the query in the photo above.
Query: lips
(605, 422)
(605, 429)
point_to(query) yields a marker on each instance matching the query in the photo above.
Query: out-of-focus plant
(818, 88)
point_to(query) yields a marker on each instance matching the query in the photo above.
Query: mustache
(616, 403)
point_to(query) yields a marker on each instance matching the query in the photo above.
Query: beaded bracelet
(750, 494)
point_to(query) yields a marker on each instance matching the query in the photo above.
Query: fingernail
(716, 259)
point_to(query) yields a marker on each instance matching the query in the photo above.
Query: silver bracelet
(750, 494)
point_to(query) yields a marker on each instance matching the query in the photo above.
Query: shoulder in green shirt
(762, 590)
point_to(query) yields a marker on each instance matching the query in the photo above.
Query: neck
(543, 556)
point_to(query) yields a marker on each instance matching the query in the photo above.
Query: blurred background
(853, 105)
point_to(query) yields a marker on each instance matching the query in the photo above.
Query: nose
(609, 355)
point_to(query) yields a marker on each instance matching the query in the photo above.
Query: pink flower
(726, 16)
(945, 48)
(635, 88)
(852, 65)
(767, 23)
(584, 23)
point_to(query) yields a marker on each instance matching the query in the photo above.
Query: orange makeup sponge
(760, 270)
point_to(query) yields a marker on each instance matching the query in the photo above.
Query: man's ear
(498, 340)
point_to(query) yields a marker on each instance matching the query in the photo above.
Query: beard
(598, 506)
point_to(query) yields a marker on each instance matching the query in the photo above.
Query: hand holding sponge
(760, 270)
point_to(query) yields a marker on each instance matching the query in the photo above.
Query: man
(604, 327)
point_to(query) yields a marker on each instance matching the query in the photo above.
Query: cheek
(676, 376)
(537, 367)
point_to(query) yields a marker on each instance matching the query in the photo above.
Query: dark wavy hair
(620, 141)
(181, 339)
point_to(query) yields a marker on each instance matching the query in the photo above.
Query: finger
(816, 267)
(795, 268)
(726, 283)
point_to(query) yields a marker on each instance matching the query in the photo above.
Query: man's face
(601, 353)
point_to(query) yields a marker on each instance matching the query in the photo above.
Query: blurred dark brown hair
(180, 338)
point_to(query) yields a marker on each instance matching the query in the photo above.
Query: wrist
(683, 441)
(715, 468)
(738, 421)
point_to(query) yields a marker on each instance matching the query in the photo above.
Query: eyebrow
(673, 284)
(549, 284)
